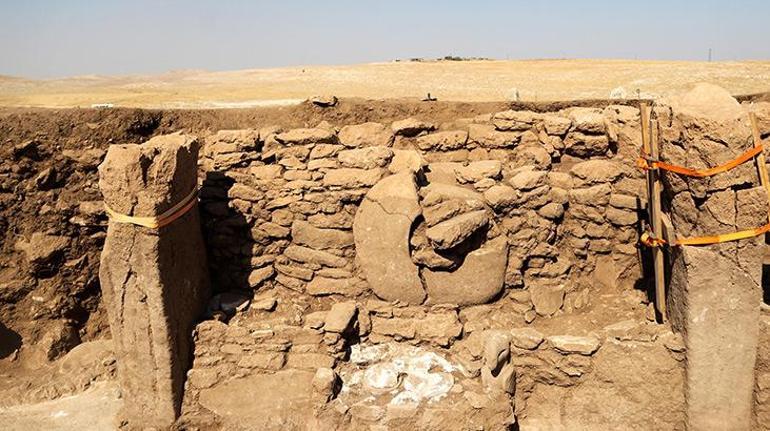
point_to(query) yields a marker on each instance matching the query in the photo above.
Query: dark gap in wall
(10, 341)
(766, 284)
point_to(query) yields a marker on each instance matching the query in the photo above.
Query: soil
(95, 409)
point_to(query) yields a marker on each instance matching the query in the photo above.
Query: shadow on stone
(10, 341)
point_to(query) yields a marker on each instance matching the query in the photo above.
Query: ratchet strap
(651, 241)
(645, 162)
(164, 219)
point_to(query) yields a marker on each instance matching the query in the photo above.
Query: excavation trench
(282, 286)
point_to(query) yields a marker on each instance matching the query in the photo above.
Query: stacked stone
(603, 219)
(513, 361)
(489, 198)
(225, 351)
(228, 195)
(282, 195)
(439, 326)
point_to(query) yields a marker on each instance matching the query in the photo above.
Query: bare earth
(535, 80)
(94, 409)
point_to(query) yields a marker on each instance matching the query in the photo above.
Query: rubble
(573, 344)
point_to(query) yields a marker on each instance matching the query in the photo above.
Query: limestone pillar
(715, 290)
(154, 280)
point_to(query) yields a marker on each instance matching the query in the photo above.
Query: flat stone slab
(526, 338)
(572, 344)
(263, 401)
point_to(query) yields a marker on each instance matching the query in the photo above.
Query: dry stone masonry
(439, 236)
(414, 215)
(385, 266)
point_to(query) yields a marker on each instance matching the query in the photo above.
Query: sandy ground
(93, 410)
(535, 80)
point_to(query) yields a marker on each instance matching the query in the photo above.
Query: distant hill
(446, 79)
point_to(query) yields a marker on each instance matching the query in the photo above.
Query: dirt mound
(51, 224)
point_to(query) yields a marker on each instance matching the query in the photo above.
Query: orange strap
(651, 241)
(161, 220)
(643, 163)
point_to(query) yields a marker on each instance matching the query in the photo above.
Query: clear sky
(53, 38)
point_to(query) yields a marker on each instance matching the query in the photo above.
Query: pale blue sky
(49, 38)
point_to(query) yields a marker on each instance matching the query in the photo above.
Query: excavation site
(355, 264)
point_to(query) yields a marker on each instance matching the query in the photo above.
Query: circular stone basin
(381, 377)
(430, 386)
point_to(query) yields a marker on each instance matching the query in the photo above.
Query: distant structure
(618, 93)
(102, 105)
(513, 95)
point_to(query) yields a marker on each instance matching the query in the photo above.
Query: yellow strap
(158, 221)
(725, 237)
(650, 241)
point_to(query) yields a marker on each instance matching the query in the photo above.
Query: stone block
(154, 281)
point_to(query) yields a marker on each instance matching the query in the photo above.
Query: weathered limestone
(381, 229)
(444, 141)
(452, 232)
(572, 344)
(498, 375)
(715, 290)
(154, 281)
(411, 127)
(477, 281)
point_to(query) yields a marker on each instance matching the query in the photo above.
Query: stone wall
(544, 207)
(506, 242)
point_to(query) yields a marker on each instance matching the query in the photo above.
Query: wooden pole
(761, 167)
(650, 148)
(657, 229)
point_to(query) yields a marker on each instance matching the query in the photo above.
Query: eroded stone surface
(574, 344)
(381, 229)
(276, 400)
(452, 232)
(477, 281)
(154, 281)
(715, 289)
